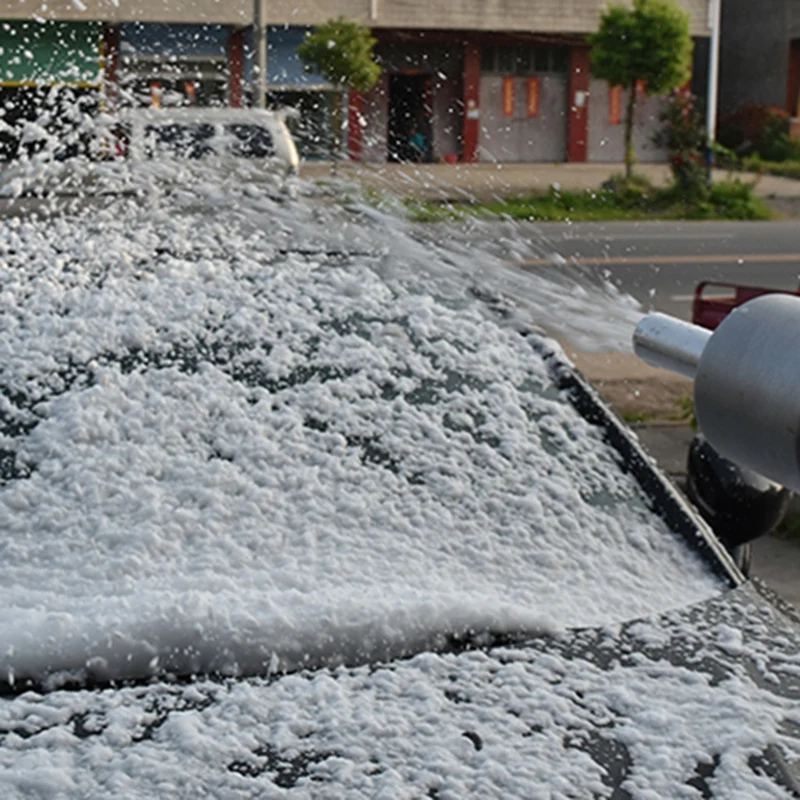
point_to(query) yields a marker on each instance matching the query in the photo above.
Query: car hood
(701, 702)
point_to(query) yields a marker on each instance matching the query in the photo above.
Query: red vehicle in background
(709, 311)
(725, 493)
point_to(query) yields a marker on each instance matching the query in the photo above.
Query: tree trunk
(337, 131)
(630, 153)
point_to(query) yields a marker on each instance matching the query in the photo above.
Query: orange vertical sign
(534, 93)
(508, 97)
(190, 90)
(615, 105)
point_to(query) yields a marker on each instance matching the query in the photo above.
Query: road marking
(600, 261)
(682, 298)
(595, 237)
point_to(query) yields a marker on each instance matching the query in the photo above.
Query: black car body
(302, 521)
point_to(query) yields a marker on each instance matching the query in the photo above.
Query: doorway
(409, 114)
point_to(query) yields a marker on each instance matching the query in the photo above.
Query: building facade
(504, 80)
(760, 56)
(474, 80)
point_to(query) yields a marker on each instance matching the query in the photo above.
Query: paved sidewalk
(484, 182)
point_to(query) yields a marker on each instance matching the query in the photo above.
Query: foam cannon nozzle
(746, 380)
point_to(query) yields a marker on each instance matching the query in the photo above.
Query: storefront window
(505, 59)
(524, 59)
(49, 82)
(174, 65)
(173, 82)
(542, 58)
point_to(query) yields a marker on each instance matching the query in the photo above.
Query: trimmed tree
(648, 45)
(341, 51)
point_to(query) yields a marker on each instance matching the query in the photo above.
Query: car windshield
(244, 432)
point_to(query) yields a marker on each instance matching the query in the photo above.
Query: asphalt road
(660, 263)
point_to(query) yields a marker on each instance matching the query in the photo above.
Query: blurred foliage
(784, 169)
(788, 529)
(683, 135)
(341, 51)
(758, 130)
(629, 187)
(632, 417)
(619, 199)
(647, 48)
(685, 411)
(732, 199)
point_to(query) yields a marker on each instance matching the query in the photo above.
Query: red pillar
(793, 89)
(793, 98)
(355, 116)
(578, 125)
(472, 101)
(110, 47)
(236, 67)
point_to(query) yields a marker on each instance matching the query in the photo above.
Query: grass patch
(631, 416)
(560, 206)
(783, 169)
(618, 200)
(684, 411)
(437, 211)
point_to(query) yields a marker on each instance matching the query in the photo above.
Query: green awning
(48, 53)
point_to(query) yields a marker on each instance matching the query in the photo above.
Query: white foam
(423, 478)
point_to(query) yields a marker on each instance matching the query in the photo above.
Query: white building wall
(522, 138)
(223, 12)
(376, 114)
(567, 16)
(607, 141)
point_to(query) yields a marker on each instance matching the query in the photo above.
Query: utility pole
(715, 23)
(260, 40)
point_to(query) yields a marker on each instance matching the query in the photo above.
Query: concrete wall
(523, 138)
(794, 19)
(567, 16)
(754, 61)
(376, 113)
(607, 142)
(226, 12)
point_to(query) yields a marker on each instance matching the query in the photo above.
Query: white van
(193, 132)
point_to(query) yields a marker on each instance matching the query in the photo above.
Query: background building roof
(564, 16)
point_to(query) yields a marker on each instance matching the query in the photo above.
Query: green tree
(341, 51)
(648, 44)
